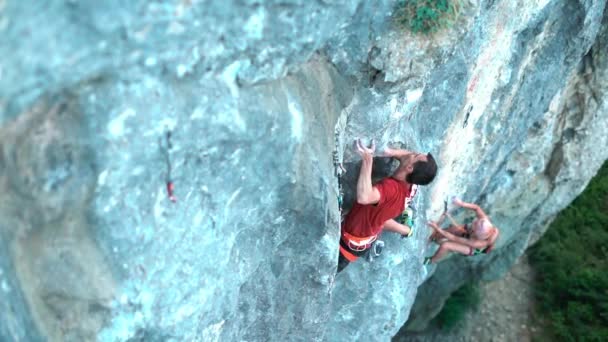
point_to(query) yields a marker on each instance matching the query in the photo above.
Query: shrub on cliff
(465, 298)
(426, 16)
(571, 261)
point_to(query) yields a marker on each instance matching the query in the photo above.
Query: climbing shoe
(408, 234)
(427, 261)
(406, 217)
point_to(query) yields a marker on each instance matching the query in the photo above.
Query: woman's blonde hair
(483, 229)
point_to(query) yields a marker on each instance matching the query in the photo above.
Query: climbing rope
(339, 171)
(166, 150)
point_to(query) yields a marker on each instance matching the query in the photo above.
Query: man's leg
(347, 255)
(342, 263)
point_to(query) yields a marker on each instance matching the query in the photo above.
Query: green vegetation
(457, 305)
(571, 261)
(426, 16)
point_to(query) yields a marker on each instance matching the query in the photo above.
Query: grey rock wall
(256, 97)
(550, 165)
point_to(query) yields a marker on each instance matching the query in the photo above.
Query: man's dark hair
(424, 171)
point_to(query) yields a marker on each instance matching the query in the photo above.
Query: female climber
(469, 239)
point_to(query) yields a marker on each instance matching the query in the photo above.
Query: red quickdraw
(170, 188)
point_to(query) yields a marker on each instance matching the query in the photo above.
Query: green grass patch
(571, 262)
(452, 314)
(427, 16)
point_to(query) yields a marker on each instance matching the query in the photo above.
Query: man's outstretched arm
(397, 227)
(366, 192)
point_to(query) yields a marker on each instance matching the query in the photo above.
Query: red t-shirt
(365, 220)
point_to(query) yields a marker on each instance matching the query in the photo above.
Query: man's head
(422, 169)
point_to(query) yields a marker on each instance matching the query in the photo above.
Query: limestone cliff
(241, 105)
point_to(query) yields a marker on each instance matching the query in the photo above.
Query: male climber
(378, 204)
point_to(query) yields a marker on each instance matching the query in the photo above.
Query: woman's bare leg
(447, 247)
(456, 230)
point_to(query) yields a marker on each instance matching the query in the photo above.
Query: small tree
(426, 16)
(571, 261)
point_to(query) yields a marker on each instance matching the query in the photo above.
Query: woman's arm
(458, 239)
(454, 223)
(455, 227)
(472, 206)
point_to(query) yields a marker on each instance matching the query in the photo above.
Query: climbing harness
(358, 244)
(167, 150)
(477, 251)
(375, 250)
(352, 247)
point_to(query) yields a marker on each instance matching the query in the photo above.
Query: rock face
(240, 106)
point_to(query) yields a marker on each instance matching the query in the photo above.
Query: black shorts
(342, 260)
